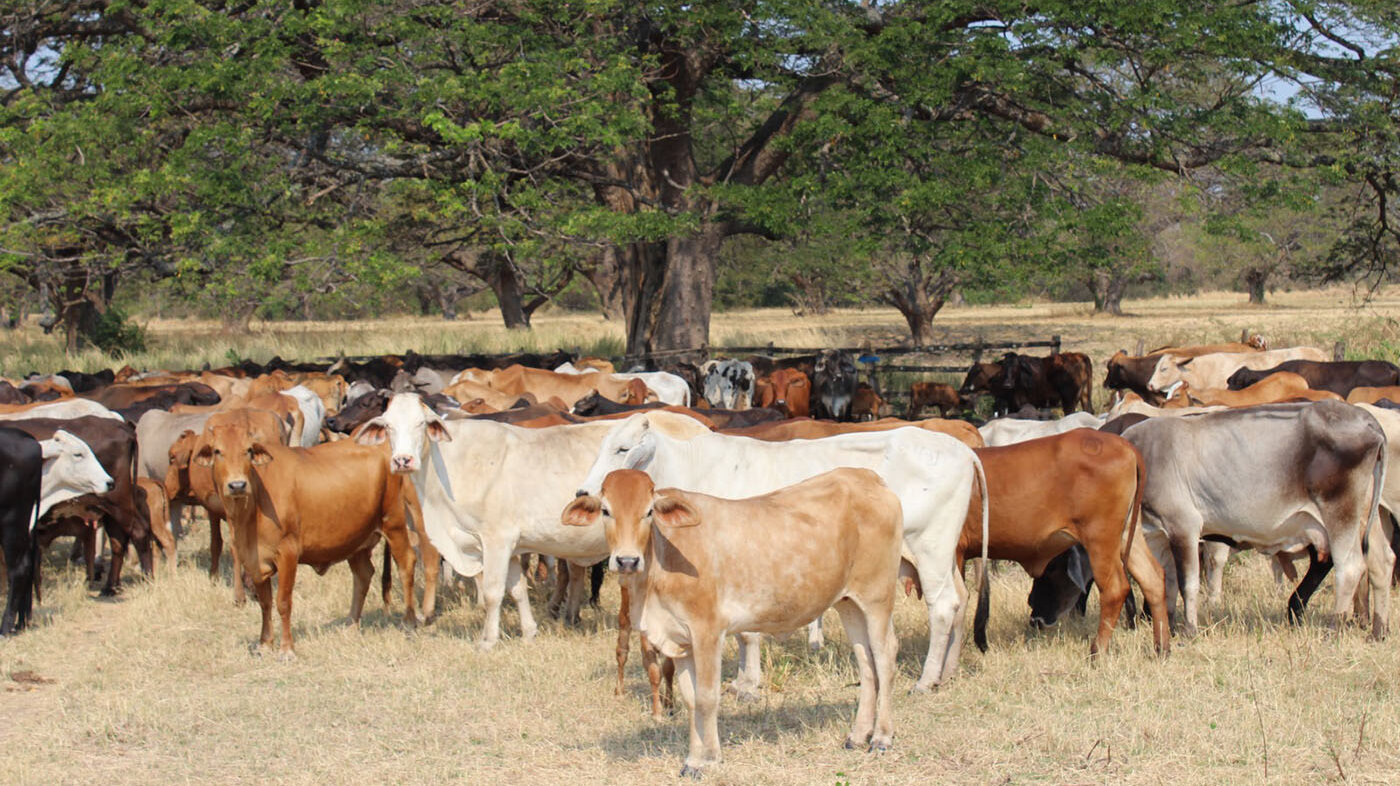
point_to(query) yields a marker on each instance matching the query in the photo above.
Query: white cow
(64, 409)
(313, 412)
(70, 470)
(491, 491)
(1009, 431)
(932, 474)
(1211, 372)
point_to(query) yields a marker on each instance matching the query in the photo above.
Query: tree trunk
(1254, 280)
(509, 296)
(669, 289)
(1108, 288)
(238, 316)
(606, 278)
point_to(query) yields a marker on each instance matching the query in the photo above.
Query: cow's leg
(216, 550)
(497, 561)
(624, 631)
(176, 516)
(407, 561)
(655, 673)
(1380, 566)
(1213, 558)
(286, 579)
(746, 683)
(160, 530)
(1186, 556)
(263, 591)
(1285, 574)
(118, 541)
(432, 574)
(815, 639)
(577, 592)
(854, 620)
(1107, 564)
(558, 594)
(944, 601)
(1317, 571)
(958, 632)
(699, 680)
(362, 568)
(1149, 575)
(520, 593)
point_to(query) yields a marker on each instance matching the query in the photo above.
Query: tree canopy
(263, 150)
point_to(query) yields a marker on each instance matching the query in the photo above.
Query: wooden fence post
(1141, 347)
(1055, 344)
(1339, 351)
(1244, 335)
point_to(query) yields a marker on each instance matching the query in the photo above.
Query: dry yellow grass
(160, 686)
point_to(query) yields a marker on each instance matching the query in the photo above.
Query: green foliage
(116, 334)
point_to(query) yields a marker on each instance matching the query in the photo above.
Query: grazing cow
(933, 394)
(1049, 493)
(1272, 389)
(788, 388)
(312, 506)
(978, 381)
(934, 475)
(1209, 372)
(834, 382)
(710, 572)
(729, 384)
(1313, 472)
(568, 388)
(492, 491)
(1008, 431)
(1337, 377)
(39, 474)
(114, 444)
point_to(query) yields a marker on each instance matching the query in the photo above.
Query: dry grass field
(160, 686)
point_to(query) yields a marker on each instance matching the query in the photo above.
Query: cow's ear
(259, 455)
(205, 456)
(437, 430)
(582, 512)
(372, 432)
(674, 512)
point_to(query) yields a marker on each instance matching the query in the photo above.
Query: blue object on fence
(868, 359)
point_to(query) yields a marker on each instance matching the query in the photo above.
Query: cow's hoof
(486, 646)
(850, 745)
(110, 592)
(694, 773)
(746, 693)
(922, 688)
(879, 746)
(815, 646)
(287, 656)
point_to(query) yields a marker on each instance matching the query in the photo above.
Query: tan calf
(767, 564)
(1275, 388)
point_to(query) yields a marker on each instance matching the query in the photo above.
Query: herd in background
(686, 478)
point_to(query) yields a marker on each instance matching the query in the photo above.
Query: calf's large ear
(582, 512)
(259, 455)
(371, 432)
(674, 512)
(205, 456)
(437, 432)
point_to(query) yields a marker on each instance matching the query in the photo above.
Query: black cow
(834, 384)
(114, 444)
(21, 466)
(1338, 377)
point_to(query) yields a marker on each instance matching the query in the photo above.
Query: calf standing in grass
(313, 506)
(766, 564)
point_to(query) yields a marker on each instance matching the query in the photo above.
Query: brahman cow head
(70, 470)
(1167, 376)
(409, 425)
(630, 445)
(628, 506)
(233, 443)
(1061, 587)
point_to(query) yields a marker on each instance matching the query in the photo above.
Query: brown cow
(785, 430)
(933, 394)
(1047, 494)
(314, 506)
(788, 387)
(711, 573)
(192, 484)
(866, 403)
(569, 388)
(1275, 388)
(1370, 395)
(150, 495)
(1126, 372)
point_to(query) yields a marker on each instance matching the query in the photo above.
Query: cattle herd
(687, 479)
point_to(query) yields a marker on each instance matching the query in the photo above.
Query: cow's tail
(1134, 518)
(1373, 511)
(35, 553)
(386, 578)
(984, 590)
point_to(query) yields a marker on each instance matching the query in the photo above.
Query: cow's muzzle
(238, 487)
(403, 464)
(628, 565)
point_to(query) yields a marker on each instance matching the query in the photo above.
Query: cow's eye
(620, 451)
(607, 512)
(649, 510)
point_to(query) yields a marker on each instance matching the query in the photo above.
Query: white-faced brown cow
(710, 571)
